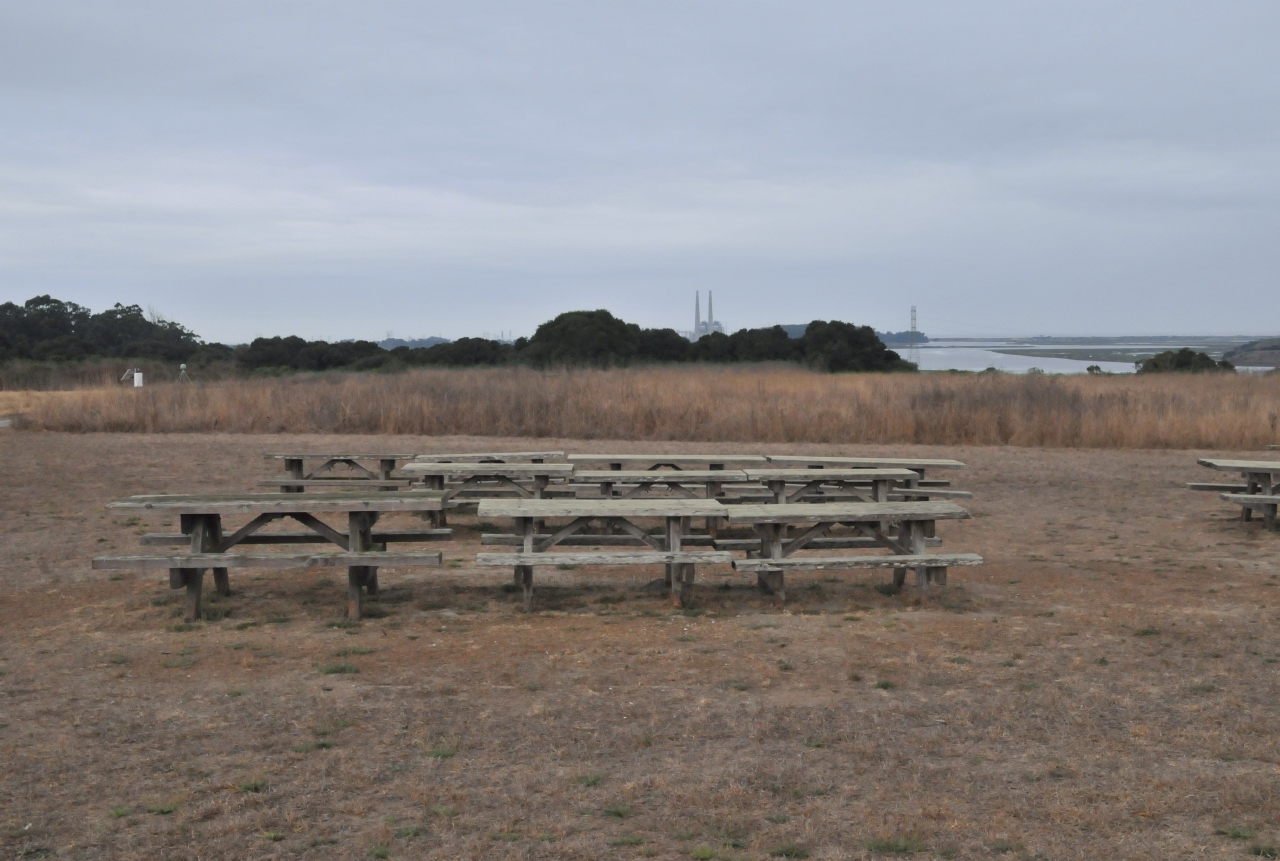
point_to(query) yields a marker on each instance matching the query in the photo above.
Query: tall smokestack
(711, 317)
(697, 314)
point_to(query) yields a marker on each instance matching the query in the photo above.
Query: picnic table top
(266, 503)
(601, 508)
(507, 469)
(483, 456)
(853, 462)
(660, 475)
(1240, 465)
(845, 512)
(828, 474)
(667, 458)
(324, 456)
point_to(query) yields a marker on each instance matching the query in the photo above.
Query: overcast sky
(340, 170)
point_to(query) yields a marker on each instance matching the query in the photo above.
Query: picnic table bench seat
(161, 539)
(824, 563)
(491, 457)
(1217, 487)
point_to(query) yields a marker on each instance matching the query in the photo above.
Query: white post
(137, 379)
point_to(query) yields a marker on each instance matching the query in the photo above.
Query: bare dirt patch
(1103, 687)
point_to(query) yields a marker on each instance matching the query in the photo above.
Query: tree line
(47, 329)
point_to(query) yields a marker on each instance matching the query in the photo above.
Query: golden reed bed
(757, 404)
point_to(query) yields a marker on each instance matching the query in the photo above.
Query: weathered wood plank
(844, 512)
(265, 560)
(480, 457)
(1217, 487)
(833, 475)
(284, 503)
(362, 483)
(656, 507)
(822, 563)
(327, 456)
(509, 470)
(689, 557)
(1268, 466)
(633, 476)
(872, 462)
(667, 458)
(177, 539)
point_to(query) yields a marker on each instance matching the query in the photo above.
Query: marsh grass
(705, 403)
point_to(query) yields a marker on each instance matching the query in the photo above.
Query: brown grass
(1026, 718)
(761, 404)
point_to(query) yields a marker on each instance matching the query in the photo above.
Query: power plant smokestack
(711, 317)
(697, 314)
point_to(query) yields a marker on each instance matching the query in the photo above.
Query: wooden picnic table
(669, 461)
(1260, 490)
(620, 514)
(812, 481)
(201, 519)
(294, 465)
(630, 484)
(908, 547)
(471, 480)
(491, 457)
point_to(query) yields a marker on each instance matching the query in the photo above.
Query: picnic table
(474, 479)
(619, 514)
(298, 477)
(630, 484)
(908, 547)
(491, 457)
(915, 464)
(669, 461)
(1260, 489)
(812, 481)
(363, 551)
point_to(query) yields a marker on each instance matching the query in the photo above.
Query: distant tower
(913, 348)
(711, 315)
(697, 314)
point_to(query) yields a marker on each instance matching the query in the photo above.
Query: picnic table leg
(193, 580)
(386, 466)
(221, 577)
(359, 540)
(206, 537)
(675, 570)
(916, 531)
(523, 574)
(1246, 513)
(293, 466)
(772, 581)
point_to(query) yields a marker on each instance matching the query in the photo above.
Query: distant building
(703, 327)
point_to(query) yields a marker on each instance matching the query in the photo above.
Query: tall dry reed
(758, 404)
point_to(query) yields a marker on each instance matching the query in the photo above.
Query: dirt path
(1103, 687)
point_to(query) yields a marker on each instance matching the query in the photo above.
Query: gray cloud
(335, 170)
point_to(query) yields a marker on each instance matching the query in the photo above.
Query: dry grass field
(1104, 687)
(714, 404)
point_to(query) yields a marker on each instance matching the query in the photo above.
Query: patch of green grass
(353, 650)
(273, 836)
(444, 810)
(1003, 845)
(627, 840)
(1006, 663)
(885, 685)
(276, 618)
(373, 611)
(119, 659)
(183, 627)
(703, 853)
(784, 666)
(895, 845)
(566, 567)
(508, 836)
(246, 625)
(959, 660)
(443, 750)
(1235, 832)
(337, 669)
(380, 850)
(1264, 851)
(789, 850)
(114, 578)
(235, 692)
(589, 779)
(685, 638)
(1102, 662)
(735, 685)
(533, 686)
(214, 614)
(409, 833)
(1148, 631)
(252, 786)
(1203, 688)
(120, 812)
(161, 601)
(617, 811)
(163, 808)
